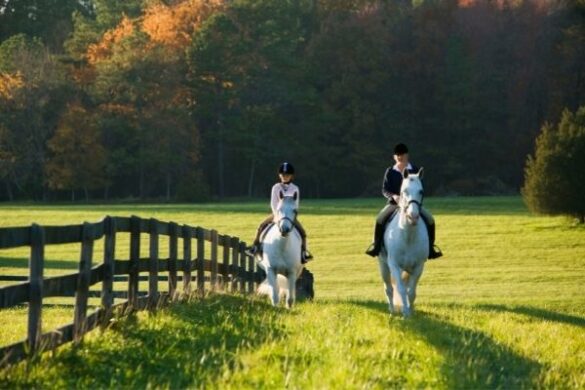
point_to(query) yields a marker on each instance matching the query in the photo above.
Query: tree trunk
(168, 196)
(141, 183)
(73, 195)
(9, 191)
(86, 194)
(106, 192)
(251, 178)
(220, 167)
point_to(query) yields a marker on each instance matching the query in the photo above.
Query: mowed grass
(503, 309)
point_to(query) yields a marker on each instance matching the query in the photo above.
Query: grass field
(504, 308)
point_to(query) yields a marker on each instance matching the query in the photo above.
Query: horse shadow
(536, 313)
(472, 359)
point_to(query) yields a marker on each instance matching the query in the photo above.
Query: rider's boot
(374, 248)
(305, 254)
(434, 252)
(253, 250)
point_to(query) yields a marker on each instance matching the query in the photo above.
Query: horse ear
(421, 171)
(280, 195)
(295, 196)
(405, 173)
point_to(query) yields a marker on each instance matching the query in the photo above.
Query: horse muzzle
(285, 227)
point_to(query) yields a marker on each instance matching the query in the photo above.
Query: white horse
(406, 245)
(281, 253)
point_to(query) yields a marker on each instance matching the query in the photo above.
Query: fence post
(153, 265)
(134, 261)
(186, 260)
(173, 237)
(108, 277)
(200, 261)
(81, 294)
(226, 261)
(242, 267)
(36, 263)
(235, 245)
(213, 260)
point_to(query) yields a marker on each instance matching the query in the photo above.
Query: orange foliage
(173, 25)
(103, 49)
(10, 83)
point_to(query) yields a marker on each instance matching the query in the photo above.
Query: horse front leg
(413, 283)
(387, 279)
(292, 291)
(271, 277)
(400, 288)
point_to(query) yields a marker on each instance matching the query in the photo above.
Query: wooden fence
(235, 271)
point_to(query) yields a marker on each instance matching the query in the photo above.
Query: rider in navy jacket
(391, 190)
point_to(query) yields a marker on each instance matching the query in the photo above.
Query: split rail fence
(235, 271)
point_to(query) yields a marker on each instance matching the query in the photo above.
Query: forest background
(191, 100)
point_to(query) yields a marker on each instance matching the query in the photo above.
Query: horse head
(286, 213)
(411, 195)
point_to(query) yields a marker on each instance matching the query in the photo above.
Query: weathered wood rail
(235, 271)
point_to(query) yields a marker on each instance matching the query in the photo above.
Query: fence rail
(236, 271)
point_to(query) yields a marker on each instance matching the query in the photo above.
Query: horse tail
(266, 289)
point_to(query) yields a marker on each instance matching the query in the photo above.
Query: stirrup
(306, 256)
(372, 250)
(251, 250)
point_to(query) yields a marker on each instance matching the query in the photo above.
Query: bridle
(286, 218)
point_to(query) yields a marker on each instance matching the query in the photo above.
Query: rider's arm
(387, 187)
(274, 198)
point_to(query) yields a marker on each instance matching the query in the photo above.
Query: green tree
(29, 116)
(78, 158)
(555, 175)
(48, 20)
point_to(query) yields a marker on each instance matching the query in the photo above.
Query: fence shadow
(21, 262)
(472, 358)
(186, 345)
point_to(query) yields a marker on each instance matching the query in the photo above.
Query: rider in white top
(287, 189)
(286, 174)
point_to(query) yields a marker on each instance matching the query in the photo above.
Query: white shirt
(287, 190)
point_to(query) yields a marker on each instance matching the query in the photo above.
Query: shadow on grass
(536, 313)
(186, 345)
(495, 205)
(472, 358)
(20, 262)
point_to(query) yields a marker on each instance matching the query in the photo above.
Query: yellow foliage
(9, 83)
(174, 25)
(103, 49)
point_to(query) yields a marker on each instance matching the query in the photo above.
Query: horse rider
(286, 174)
(391, 190)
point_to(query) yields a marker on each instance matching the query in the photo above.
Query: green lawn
(503, 309)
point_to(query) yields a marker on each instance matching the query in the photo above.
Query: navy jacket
(393, 182)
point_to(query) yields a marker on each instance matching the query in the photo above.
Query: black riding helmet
(286, 168)
(400, 149)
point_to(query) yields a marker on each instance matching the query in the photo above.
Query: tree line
(191, 99)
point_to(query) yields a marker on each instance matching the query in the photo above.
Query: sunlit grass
(503, 309)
